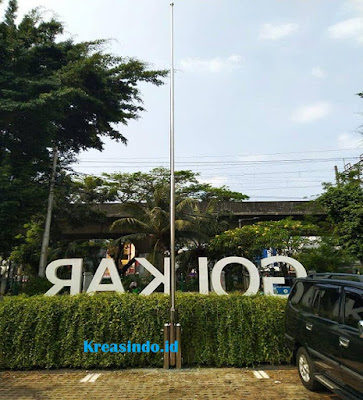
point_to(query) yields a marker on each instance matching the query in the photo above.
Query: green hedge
(48, 332)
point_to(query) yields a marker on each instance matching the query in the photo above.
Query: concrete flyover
(243, 213)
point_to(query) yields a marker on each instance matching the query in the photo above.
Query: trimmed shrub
(49, 332)
(35, 285)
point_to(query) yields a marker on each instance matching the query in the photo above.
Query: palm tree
(206, 224)
(151, 222)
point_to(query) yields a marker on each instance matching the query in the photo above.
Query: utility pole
(46, 234)
(172, 331)
(337, 180)
(358, 167)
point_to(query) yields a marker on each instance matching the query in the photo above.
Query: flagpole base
(172, 335)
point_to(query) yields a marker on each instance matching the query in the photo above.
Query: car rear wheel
(306, 370)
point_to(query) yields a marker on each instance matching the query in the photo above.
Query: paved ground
(157, 384)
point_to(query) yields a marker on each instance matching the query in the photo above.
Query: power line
(242, 175)
(230, 155)
(310, 197)
(209, 163)
(299, 171)
(283, 188)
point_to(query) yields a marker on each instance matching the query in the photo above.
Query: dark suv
(324, 329)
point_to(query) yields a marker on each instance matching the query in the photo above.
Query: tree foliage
(286, 237)
(141, 187)
(146, 207)
(73, 206)
(145, 201)
(326, 256)
(151, 223)
(344, 205)
(55, 92)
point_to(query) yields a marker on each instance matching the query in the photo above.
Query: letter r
(58, 284)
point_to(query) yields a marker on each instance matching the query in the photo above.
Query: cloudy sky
(265, 90)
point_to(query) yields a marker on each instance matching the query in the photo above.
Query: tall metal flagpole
(172, 193)
(172, 331)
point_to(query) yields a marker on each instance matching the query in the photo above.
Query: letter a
(97, 286)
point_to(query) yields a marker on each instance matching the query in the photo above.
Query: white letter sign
(159, 278)
(97, 286)
(76, 276)
(254, 275)
(203, 275)
(268, 282)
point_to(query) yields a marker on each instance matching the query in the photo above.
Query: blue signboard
(282, 289)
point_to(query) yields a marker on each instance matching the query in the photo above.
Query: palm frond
(183, 225)
(158, 213)
(186, 205)
(133, 236)
(130, 224)
(134, 210)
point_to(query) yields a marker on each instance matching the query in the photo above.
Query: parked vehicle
(324, 329)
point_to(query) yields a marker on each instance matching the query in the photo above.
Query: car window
(353, 309)
(316, 298)
(307, 298)
(301, 295)
(326, 303)
(297, 293)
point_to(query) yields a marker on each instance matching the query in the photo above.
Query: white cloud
(348, 29)
(354, 6)
(217, 64)
(349, 141)
(311, 112)
(318, 72)
(276, 32)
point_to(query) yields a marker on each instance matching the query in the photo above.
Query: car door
(323, 330)
(351, 345)
(297, 310)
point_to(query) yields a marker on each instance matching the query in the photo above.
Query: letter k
(87, 346)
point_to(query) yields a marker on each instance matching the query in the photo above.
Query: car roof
(346, 280)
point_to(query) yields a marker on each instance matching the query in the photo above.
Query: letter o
(154, 347)
(251, 268)
(299, 268)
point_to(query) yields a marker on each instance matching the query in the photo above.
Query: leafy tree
(27, 253)
(285, 236)
(326, 257)
(147, 209)
(76, 195)
(141, 186)
(206, 225)
(344, 205)
(152, 222)
(206, 192)
(55, 93)
(73, 203)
